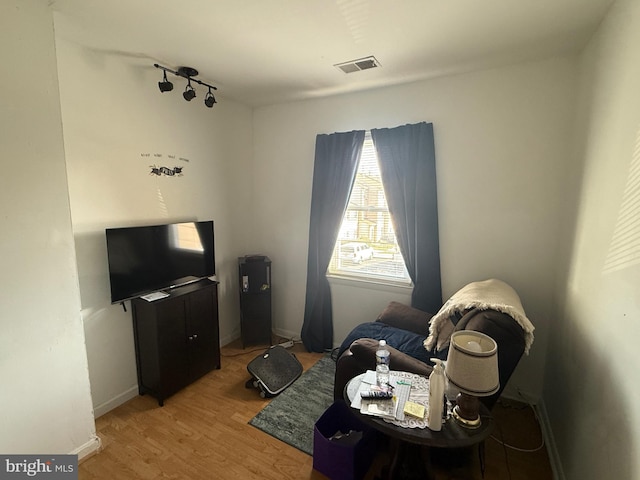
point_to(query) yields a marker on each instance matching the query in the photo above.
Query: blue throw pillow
(403, 340)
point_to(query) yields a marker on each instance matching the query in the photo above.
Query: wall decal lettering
(169, 172)
(161, 158)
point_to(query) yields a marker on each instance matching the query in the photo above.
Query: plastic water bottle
(382, 365)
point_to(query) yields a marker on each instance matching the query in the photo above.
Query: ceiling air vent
(357, 65)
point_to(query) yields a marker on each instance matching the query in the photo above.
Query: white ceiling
(261, 52)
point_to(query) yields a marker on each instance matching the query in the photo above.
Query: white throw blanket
(489, 294)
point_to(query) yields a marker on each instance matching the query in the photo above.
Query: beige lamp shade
(472, 363)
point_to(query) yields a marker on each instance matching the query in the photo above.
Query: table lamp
(472, 369)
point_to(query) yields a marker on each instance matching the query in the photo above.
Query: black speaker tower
(254, 272)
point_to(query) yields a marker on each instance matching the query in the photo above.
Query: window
(366, 247)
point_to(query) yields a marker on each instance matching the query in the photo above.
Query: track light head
(165, 85)
(209, 99)
(189, 92)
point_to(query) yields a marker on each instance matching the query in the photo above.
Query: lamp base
(467, 411)
(466, 422)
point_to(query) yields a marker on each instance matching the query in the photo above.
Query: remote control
(369, 395)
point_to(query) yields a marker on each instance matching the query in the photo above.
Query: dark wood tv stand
(176, 338)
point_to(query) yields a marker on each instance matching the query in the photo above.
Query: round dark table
(407, 462)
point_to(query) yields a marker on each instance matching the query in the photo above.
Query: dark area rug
(291, 415)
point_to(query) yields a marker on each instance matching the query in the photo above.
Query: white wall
(591, 389)
(502, 138)
(114, 115)
(45, 394)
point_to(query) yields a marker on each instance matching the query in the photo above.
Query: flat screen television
(158, 257)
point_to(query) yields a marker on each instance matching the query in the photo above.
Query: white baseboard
(89, 448)
(287, 334)
(109, 405)
(552, 449)
(227, 339)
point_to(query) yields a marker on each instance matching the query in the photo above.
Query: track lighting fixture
(209, 99)
(189, 92)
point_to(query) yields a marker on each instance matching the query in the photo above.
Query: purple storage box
(338, 460)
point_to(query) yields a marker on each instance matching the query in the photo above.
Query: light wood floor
(202, 432)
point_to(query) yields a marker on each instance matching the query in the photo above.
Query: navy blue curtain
(334, 171)
(408, 168)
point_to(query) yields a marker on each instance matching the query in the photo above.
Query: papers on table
(394, 408)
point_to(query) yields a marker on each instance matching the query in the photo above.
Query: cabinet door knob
(190, 337)
(195, 336)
